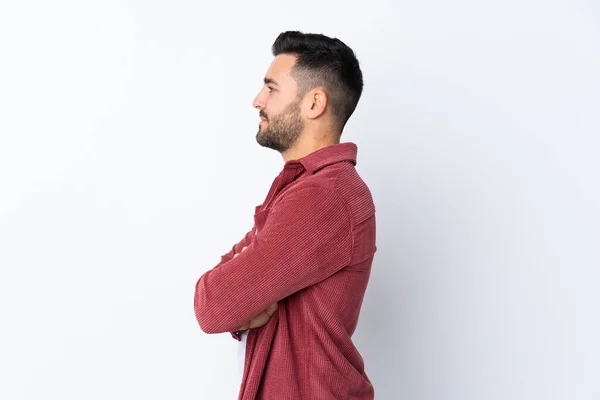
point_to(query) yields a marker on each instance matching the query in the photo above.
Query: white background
(128, 165)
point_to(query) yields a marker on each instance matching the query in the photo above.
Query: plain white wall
(128, 165)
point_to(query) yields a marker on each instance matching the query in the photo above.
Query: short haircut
(324, 62)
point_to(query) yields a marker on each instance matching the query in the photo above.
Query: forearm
(235, 250)
(307, 238)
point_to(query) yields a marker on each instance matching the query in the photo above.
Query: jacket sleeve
(307, 237)
(237, 247)
(236, 334)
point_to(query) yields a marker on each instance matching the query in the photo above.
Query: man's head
(312, 87)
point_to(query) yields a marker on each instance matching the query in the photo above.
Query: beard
(283, 130)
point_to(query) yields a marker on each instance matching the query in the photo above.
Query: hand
(261, 319)
(237, 254)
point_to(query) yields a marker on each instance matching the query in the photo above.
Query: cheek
(274, 107)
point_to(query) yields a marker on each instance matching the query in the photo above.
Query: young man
(291, 290)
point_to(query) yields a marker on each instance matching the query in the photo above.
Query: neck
(310, 141)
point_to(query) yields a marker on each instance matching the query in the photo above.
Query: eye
(270, 89)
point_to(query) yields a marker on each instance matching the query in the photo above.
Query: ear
(316, 103)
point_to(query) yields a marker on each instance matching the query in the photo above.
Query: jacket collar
(327, 156)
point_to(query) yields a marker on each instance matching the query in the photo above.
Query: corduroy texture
(311, 249)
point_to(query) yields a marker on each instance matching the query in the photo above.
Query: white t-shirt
(242, 354)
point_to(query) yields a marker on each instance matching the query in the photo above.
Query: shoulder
(337, 185)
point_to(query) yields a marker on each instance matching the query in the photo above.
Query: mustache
(262, 115)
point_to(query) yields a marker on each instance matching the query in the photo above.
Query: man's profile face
(281, 122)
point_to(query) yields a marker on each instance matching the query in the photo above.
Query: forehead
(280, 69)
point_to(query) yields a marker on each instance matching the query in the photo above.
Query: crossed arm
(306, 238)
(262, 318)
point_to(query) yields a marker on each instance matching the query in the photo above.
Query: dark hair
(326, 62)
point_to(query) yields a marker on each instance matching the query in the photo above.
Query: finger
(241, 251)
(245, 327)
(259, 320)
(272, 308)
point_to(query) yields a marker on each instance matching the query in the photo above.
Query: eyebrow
(270, 81)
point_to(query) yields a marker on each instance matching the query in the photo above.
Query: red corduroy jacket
(311, 250)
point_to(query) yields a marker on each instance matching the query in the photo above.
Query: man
(291, 290)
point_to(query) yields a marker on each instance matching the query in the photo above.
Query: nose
(259, 101)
